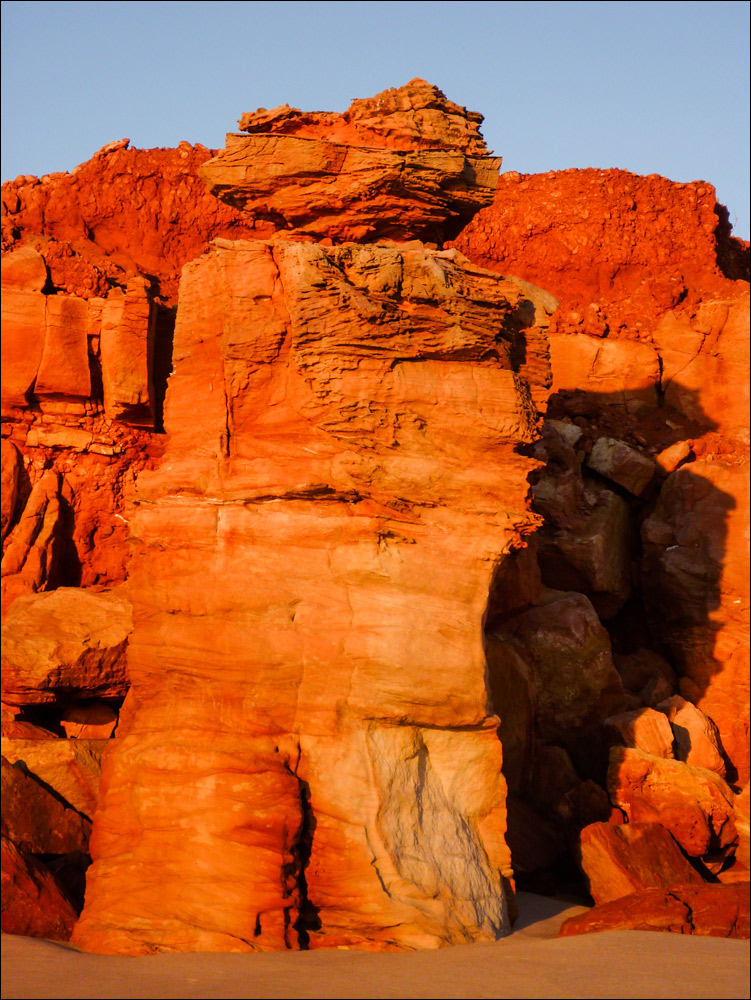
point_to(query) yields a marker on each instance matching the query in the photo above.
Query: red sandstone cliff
(329, 506)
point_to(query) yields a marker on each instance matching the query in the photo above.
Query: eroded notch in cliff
(308, 920)
(164, 334)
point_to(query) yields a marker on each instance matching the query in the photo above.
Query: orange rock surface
(327, 537)
(361, 418)
(406, 163)
(714, 910)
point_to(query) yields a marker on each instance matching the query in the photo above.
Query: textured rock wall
(313, 564)
(649, 347)
(308, 755)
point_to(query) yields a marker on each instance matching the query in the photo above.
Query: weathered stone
(568, 652)
(31, 555)
(340, 177)
(64, 366)
(696, 738)
(620, 860)
(23, 320)
(696, 584)
(622, 464)
(94, 721)
(35, 820)
(68, 642)
(23, 268)
(643, 729)
(670, 458)
(640, 668)
(11, 470)
(127, 346)
(694, 804)
(33, 901)
(586, 548)
(317, 564)
(71, 768)
(714, 910)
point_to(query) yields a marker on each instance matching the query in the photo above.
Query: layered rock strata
(404, 163)
(340, 505)
(311, 738)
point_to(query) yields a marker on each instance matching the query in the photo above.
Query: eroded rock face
(319, 543)
(314, 562)
(406, 163)
(649, 354)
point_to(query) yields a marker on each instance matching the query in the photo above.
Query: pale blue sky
(651, 87)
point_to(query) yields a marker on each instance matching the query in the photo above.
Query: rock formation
(313, 490)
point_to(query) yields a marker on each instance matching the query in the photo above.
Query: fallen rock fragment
(712, 910)
(642, 729)
(70, 768)
(697, 741)
(570, 661)
(621, 860)
(67, 642)
(695, 805)
(33, 904)
(622, 464)
(36, 821)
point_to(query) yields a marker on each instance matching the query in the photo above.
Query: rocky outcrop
(649, 357)
(404, 164)
(314, 511)
(339, 586)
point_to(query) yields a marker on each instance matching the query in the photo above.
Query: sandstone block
(694, 805)
(621, 860)
(315, 555)
(341, 178)
(71, 768)
(622, 464)
(23, 268)
(568, 653)
(697, 741)
(66, 642)
(11, 470)
(36, 821)
(64, 366)
(33, 901)
(643, 729)
(714, 910)
(24, 330)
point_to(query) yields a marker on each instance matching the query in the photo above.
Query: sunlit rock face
(309, 754)
(405, 163)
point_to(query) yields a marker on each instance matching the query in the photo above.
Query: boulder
(568, 654)
(713, 910)
(34, 903)
(71, 769)
(35, 820)
(621, 860)
(11, 471)
(622, 464)
(399, 165)
(643, 729)
(69, 642)
(693, 804)
(697, 741)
